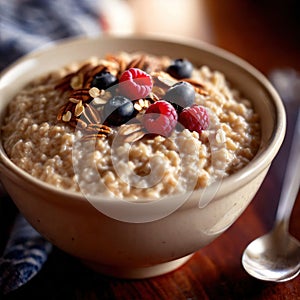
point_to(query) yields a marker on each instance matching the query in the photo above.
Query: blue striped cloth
(26, 25)
(24, 256)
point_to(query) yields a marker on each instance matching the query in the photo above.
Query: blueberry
(182, 94)
(104, 80)
(118, 110)
(180, 68)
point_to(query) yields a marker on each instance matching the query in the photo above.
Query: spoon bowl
(277, 263)
(276, 255)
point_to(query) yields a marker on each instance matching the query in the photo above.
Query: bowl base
(138, 272)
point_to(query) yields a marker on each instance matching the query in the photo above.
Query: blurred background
(264, 32)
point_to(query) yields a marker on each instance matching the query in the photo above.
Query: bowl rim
(259, 162)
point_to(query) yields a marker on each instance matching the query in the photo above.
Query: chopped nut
(99, 101)
(135, 136)
(194, 82)
(137, 107)
(95, 131)
(61, 112)
(139, 62)
(67, 116)
(79, 109)
(131, 132)
(74, 80)
(77, 81)
(94, 92)
(127, 129)
(64, 82)
(81, 94)
(98, 128)
(73, 100)
(91, 114)
(164, 80)
(93, 137)
(198, 86)
(141, 105)
(102, 98)
(77, 123)
(154, 97)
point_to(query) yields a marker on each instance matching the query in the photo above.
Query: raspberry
(194, 118)
(160, 118)
(135, 83)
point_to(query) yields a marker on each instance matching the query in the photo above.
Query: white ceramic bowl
(141, 249)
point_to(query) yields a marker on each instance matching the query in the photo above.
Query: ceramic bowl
(166, 238)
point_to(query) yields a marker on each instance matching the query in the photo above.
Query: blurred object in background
(117, 16)
(252, 29)
(171, 17)
(266, 33)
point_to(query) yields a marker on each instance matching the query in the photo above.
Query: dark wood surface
(214, 272)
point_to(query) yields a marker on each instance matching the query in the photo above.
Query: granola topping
(90, 100)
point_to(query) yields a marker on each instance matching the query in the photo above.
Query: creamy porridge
(134, 125)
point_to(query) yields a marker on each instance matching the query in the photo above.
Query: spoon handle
(291, 182)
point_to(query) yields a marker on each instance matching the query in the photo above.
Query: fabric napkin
(25, 254)
(30, 24)
(26, 25)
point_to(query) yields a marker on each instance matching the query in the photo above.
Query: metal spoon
(276, 255)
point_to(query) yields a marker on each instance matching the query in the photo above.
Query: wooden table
(214, 272)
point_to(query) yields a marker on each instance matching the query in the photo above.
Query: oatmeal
(131, 126)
